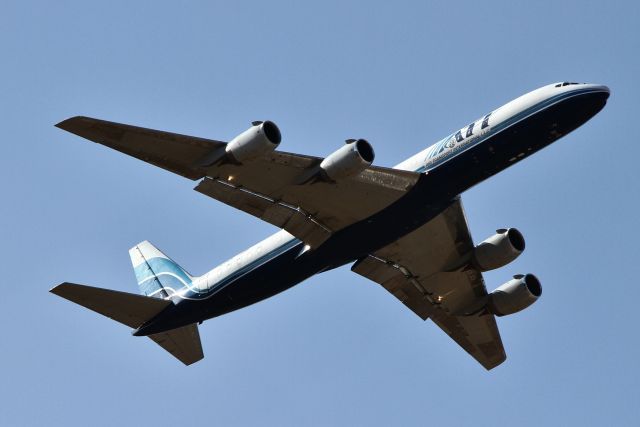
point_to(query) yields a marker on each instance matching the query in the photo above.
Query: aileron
(293, 219)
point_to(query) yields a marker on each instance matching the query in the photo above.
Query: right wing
(269, 188)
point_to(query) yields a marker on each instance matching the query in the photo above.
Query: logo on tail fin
(158, 275)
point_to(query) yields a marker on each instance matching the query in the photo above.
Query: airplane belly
(267, 280)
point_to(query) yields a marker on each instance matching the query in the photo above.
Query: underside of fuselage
(434, 191)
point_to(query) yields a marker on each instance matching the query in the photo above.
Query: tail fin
(135, 310)
(157, 275)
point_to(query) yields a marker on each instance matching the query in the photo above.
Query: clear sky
(337, 349)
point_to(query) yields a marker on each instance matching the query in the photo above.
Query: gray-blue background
(336, 349)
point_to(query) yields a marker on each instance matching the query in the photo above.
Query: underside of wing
(429, 271)
(269, 190)
(274, 186)
(171, 151)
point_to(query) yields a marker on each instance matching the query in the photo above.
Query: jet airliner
(403, 227)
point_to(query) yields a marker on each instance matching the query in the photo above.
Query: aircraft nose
(602, 88)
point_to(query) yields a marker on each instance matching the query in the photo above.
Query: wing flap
(183, 343)
(297, 222)
(408, 291)
(336, 205)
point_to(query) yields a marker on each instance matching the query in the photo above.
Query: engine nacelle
(515, 295)
(258, 140)
(348, 160)
(498, 250)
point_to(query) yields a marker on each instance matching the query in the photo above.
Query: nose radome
(600, 87)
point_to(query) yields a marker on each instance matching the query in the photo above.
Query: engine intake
(258, 140)
(498, 250)
(351, 159)
(515, 295)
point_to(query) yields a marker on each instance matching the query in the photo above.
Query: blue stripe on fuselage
(153, 267)
(500, 127)
(193, 294)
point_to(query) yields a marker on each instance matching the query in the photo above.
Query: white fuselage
(452, 145)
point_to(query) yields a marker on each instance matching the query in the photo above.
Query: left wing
(270, 187)
(429, 271)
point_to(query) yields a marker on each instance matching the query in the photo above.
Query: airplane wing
(269, 188)
(429, 271)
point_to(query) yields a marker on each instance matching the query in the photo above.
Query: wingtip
(56, 289)
(495, 363)
(69, 123)
(191, 362)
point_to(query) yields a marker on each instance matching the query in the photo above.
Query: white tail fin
(157, 275)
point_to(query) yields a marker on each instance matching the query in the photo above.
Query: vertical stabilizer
(157, 275)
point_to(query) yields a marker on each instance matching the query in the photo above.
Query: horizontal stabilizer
(183, 343)
(129, 309)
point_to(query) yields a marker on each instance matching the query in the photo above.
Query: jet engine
(351, 159)
(498, 250)
(515, 295)
(258, 140)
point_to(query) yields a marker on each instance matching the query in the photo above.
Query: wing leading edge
(428, 270)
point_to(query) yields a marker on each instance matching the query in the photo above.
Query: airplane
(403, 227)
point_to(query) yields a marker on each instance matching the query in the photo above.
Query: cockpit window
(566, 84)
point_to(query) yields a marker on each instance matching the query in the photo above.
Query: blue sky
(335, 350)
